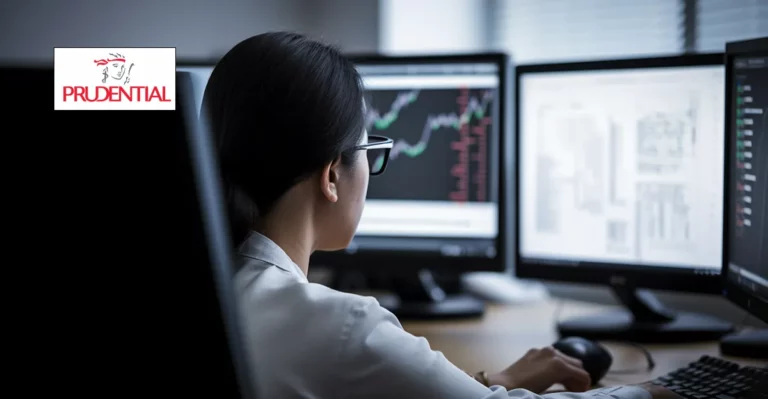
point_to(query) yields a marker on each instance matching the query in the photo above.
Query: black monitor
(619, 182)
(440, 205)
(745, 255)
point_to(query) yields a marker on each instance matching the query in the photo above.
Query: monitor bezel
(413, 261)
(731, 290)
(605, 273)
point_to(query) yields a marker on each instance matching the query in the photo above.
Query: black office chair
(210, 248)
(124, 231)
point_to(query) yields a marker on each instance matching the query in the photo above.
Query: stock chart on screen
(441, 143)
(439, 179)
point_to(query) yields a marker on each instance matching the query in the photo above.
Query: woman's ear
(329, 180)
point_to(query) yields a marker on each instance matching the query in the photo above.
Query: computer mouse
(594, 357)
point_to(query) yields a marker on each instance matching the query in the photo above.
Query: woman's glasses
(377, 151)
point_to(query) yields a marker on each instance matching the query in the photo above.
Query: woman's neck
(293, 233)
(295, 248)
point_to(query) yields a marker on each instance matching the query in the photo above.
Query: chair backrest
(124, 214)
(211, 238)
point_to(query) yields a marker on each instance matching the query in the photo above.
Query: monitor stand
(645, 320)
(420, 297)
(749, 344)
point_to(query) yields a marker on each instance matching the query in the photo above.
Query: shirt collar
(258, 246)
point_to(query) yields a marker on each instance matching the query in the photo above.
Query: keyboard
(715, 378)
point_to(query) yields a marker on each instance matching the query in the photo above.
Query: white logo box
(115, 79)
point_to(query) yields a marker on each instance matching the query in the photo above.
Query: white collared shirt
(306, 340)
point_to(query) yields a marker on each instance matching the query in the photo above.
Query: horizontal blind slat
(536, 31)
(722, 21)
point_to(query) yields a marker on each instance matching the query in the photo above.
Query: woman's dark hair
(280, 107)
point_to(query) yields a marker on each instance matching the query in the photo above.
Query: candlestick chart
(442, 143)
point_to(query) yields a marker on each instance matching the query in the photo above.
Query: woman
(288, 117)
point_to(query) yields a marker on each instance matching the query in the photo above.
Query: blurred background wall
(199, 29)
(530, 30)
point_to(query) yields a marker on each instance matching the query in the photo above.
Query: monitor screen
(748, 168)
(200, 75)
(439, 193)
(622, 167)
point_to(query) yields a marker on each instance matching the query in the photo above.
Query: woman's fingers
(574, 377)
(570, 360)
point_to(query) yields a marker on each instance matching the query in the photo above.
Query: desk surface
(506, 332)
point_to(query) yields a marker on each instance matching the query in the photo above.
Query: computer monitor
(619, 182)
(745, 255)
(440, 204)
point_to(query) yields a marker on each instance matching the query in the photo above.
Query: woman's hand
(539, 369)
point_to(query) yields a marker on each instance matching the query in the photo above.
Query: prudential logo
(115, 79)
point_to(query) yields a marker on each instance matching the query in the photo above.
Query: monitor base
(621, 326)
(420, 297)
(450, 307)
(415, 296)
(646, 320)
(750, 345)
